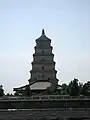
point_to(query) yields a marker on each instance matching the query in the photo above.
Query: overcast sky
(66, 22)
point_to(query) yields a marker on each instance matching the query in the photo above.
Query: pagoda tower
(43, 73)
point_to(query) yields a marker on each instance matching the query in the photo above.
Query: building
(44, 107)
(43, 73)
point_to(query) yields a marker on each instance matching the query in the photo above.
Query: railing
(53, 109)
(46, 97)
(59, 97)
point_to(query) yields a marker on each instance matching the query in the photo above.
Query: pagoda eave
(50, 47)
(35, 54)
(20, 88)
(43, 62)
(43, 71)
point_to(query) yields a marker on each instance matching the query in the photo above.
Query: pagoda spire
(43, 32)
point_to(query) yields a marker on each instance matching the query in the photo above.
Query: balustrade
(47, 97)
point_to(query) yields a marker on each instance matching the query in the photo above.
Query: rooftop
(43, 36)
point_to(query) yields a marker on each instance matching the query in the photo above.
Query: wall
(41, 114)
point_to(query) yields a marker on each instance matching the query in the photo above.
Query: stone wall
(36, 109)
(35, 104)
(47, 114)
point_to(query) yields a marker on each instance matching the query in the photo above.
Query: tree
(1, 91)
(80, 88)
(27, 91)
(74, 88)
(8, 94)
(58, 90)
(50, 90)
(86, 89)
(64, 89)
(16, 93)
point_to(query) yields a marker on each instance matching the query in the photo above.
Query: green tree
(1, 91)
(8, 94)
(17, 93)
(27, 91)
(86, 89)
(74, 88)
(50, 90)
(58, 90)
(80, 87)
(64, 89)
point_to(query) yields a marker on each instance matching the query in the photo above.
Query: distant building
(43, 73)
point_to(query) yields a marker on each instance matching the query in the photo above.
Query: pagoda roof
(39, 85)
(22, 87)
(36, 85)
(43, 36)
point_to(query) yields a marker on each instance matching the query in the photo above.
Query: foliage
(64, 89)
(50, 90)
(58, 90)
(86, 89)
(27, 91)
(1, 91)
(74, 88)
(16, 93)
(80, 88)
(8, 94)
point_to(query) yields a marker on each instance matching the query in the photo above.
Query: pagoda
(43, 73)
